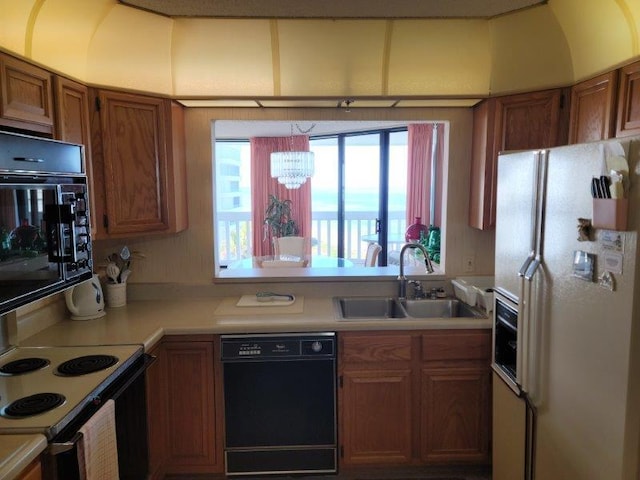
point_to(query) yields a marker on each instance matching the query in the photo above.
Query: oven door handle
(56, 448)
(148, 360)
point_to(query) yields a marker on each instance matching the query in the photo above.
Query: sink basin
(438, 308)
(372, 308)
(368, 307)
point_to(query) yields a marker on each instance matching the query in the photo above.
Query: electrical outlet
(469, 263)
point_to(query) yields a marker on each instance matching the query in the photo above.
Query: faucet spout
(402, 280)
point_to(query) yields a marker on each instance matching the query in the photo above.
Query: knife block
(610, 213)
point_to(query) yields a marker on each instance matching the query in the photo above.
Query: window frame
(380, 272)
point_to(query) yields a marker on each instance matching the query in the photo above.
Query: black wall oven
(280, 403)
(45, 237)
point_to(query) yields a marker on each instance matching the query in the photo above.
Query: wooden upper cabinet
(629, 101)
(72, 112)
(593, 104)
(513, 122)
(139, 162)
(482, 195)
(529, 120)
(26, 96)
(72, 124)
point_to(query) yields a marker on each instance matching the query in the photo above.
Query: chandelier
(292, 168)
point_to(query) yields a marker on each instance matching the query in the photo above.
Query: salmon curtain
(419, 171)
(262, 185)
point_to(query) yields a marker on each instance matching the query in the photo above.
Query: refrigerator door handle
(541, 191)
(522, 357)
(532, 268)
(525, 266)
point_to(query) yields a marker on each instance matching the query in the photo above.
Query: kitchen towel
(97, 450)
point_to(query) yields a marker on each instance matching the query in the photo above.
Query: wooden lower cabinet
(455, 396)
(376, 417)
(454, 422)
(187, 414)
(414, 397)
(32, 472)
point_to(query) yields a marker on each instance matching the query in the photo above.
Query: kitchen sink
(368, 307)
(380, 308)
(439, 308)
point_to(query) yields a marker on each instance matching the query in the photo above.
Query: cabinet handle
(28, 159)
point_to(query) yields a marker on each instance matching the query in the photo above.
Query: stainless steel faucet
(402, 280)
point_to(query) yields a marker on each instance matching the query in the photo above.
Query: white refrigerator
(572, 411)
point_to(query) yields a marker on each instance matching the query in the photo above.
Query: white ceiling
(333, 8)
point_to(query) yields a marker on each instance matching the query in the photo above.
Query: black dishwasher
(280, 403)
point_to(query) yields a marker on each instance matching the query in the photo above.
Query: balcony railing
(233, 234)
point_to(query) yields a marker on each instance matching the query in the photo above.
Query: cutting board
(251, 306)
(253, 301)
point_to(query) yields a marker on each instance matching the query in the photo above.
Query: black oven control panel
(252, 347)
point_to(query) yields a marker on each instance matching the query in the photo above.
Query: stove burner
(86, 364)
(24, 365)
(33, 405)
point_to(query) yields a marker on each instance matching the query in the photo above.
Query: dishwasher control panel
(287, 346)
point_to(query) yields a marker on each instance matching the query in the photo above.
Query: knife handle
(596, 188)
(604, 184)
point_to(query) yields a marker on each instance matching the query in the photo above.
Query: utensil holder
(116, 294)
(610, 213)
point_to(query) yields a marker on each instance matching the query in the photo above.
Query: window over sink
(359, 193)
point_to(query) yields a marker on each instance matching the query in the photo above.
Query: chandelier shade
(292, 168)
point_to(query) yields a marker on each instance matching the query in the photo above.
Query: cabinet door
(26, 100)
(193, 429)
(629, 101)
(455, 407)
(32, 472)
(376, 405)
(142, 176)
(529, 120)
(455, 415)
(72, 125)
(592, 109)
(482, 195)
(513, 122)
(376, 417)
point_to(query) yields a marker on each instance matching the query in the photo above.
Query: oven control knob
(316, 346)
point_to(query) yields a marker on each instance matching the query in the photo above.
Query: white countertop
(146, 322)
(17, 452)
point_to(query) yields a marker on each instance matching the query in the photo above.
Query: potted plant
(278, 217)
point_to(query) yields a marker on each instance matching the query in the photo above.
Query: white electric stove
(42, 389)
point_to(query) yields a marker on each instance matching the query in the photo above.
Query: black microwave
(45, 236)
